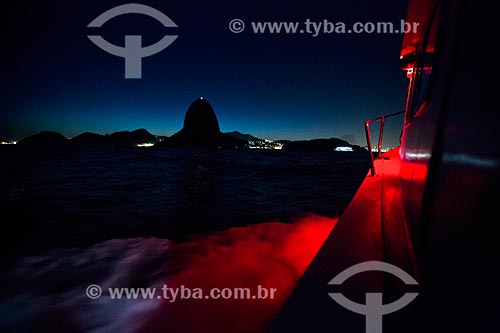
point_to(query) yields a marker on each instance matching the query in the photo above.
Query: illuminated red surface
(274, 255)
(418, 11)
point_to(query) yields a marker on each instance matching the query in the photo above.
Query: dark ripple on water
(79, 197)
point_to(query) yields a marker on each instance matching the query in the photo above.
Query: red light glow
(274, 255)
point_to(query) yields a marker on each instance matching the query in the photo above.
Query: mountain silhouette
(318, 144)
(88, 139)
(201, 129)
(126, 138)
(243, 136)
(45, 138)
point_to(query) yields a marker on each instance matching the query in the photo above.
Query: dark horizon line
(168, 136)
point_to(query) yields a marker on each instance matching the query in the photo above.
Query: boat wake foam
(46, 293)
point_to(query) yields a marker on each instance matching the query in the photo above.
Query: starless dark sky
(272, 86)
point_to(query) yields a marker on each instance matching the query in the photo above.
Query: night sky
(272, 86)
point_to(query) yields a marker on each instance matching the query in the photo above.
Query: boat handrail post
(380, 138)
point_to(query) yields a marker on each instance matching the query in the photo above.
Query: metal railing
(369, 140)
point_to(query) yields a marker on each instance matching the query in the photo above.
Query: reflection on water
(47, 292)
(148, 217)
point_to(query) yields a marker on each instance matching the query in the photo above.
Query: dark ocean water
(143, 218)
(58, 197)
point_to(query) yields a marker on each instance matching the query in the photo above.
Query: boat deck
(371, 228)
